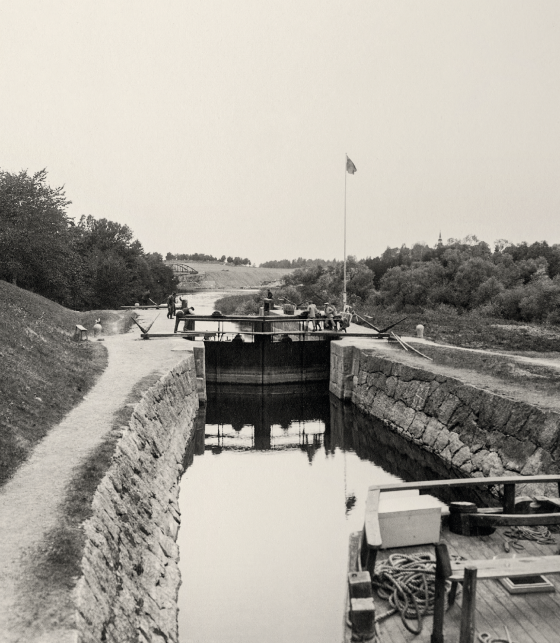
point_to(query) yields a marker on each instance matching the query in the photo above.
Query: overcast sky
(222, 126)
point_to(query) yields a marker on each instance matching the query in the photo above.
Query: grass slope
(44, 373)
(236, 276)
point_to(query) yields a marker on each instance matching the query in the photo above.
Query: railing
(508, 482)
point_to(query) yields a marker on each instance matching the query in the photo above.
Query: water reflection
(277, 480)
(247, 417)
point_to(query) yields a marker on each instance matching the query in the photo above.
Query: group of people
(331, 319)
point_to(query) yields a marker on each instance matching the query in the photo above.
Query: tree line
(300, 262)
(84, 265)
(201, 257)
(511, 281)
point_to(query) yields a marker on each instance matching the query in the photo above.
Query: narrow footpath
(30, 503)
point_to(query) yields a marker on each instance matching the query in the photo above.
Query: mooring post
(509, 498)
(443, 571)
(468, 619)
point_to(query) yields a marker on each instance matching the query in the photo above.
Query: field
(472, 330)
(216, 275)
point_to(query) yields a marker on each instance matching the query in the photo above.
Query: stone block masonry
(128, 591)
(475, 430)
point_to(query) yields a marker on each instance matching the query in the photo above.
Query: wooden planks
(467, 482)
(530, 618)
(510, 566)
(371, 526)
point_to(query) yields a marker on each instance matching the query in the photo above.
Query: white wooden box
(406, 520)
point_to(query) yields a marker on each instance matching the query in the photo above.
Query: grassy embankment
(44, 375)
(44, 372)
(56, 562)
(472, 330)
(240, 304)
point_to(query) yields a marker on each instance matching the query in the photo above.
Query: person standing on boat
(312, 315)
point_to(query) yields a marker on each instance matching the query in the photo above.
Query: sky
(223, 126)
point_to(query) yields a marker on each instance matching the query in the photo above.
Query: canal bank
(121, 573)
(480, 424)
(43, 504)
(130, 579)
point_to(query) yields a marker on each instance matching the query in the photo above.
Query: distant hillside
(219, 276)
(44, 372)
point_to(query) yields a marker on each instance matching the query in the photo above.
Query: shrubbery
(514, 282)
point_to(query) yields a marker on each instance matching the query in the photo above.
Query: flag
(350, 167)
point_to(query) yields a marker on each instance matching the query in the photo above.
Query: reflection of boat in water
(417, 552)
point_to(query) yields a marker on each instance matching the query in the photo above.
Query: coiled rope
(408, 583)
(539, 534)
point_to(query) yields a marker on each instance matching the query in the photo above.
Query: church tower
(440, 242)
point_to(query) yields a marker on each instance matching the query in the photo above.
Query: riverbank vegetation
(463, 292)
(94, 263)
(300, 262)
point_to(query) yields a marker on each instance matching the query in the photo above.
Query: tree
(35, 249)
(469, 277)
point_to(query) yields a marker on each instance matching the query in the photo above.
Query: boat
(430, 571)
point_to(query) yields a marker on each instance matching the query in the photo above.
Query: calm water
(274, 486)
(203, 304)
(267, 509)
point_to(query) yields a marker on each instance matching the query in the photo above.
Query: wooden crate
(405, 521)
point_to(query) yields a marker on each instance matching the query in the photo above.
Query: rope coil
(539, 534)
(408, 583)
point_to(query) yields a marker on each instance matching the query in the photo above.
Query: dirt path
(30, 501)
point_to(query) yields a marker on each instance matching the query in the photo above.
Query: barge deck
(529, 617)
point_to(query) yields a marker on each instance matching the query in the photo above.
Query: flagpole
(344, 286)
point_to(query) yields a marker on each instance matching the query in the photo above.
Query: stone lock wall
(128, 591)
(479, 432)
